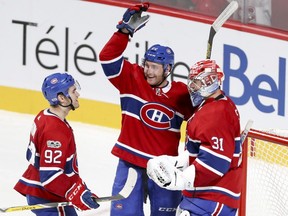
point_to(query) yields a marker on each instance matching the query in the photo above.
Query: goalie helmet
(204, 79)
(160, 54)
(55, 84)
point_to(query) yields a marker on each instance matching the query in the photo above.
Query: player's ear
(61, 97)
(167, 69)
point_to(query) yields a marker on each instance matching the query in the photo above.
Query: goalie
(207, 172)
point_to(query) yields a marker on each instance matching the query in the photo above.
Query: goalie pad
(132, 19)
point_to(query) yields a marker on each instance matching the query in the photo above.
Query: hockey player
(153, 110)
(209, 171)
(52, 174)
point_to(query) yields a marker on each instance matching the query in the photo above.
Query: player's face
(74, 95)
(154, 73)
(194, 85)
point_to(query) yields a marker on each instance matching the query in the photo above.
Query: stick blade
(216, 25)
(249, 124)
(224, 16)
(126, 190)
(130, 183)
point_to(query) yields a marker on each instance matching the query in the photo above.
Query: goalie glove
(181, 161)
(132, 20)
(81, 197)
(166, 175)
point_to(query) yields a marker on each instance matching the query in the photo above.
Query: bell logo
(261, 90)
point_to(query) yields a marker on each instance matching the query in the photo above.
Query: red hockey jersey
(213, 141)
(52, 156)
(151, 117)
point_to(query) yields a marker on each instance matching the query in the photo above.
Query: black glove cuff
(120, 30)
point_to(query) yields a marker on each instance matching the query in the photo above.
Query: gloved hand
(81, 197)
(132, 20)
(163, 172)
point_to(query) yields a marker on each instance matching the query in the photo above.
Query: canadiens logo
(53, 144)
(75, 164)
(119, 206)
(156, 116)
(54, 81)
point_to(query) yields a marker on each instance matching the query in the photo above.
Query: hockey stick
(221, 19)
(246, 131)
(124, 193)
(243, 137)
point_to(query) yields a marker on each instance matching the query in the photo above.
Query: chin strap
(69, 105)
(164, 78)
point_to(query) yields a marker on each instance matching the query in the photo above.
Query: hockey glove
(163, 172)
(81, 197)
(132, 19)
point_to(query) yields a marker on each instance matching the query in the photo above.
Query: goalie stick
(124, 193)
(246, 131)
(221, 19)
(243, 137)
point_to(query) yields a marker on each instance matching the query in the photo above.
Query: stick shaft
(124, 193)
(246, 131)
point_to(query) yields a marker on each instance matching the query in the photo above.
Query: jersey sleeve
(120, 72)
(112, 59)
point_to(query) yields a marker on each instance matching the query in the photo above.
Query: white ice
(96, 163)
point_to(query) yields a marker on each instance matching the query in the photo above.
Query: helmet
(55, 84)
(160, 54)
(204, 79)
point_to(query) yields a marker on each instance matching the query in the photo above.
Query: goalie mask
(204, 79)
(55, 84)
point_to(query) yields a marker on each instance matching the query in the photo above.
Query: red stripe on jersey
(218, 209)
(61, 211)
